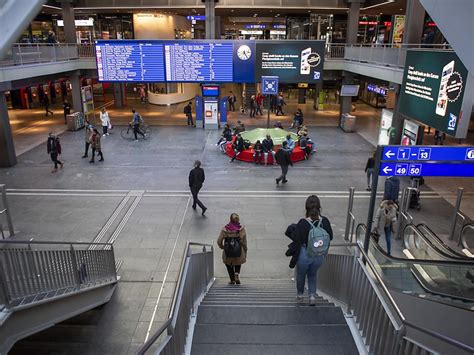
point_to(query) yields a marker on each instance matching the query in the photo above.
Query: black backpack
(232, 247)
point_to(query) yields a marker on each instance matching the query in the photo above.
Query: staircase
(262, 317)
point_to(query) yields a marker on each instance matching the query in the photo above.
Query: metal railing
(357, 285)
(5, 212)
(195, 277)
(33, 272)
(467, 237)
(21, 53)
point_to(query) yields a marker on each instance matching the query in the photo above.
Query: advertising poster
(433, 89)
(398, 29)
(410, 133)
(385, 125)
(291, 61)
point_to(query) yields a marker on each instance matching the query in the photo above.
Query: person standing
(386, 220)
(233, 242)
(267, 147)
(188, 111)
(232, 99)
(369, 170)
(88, 130)
(259, 101)
(105, 119)
(439, 137)
(67, 110)
(196, 179)
(253, 103)
(46, 106)
(54, 150)
(312, 236)
(96, 146)
(283, 159)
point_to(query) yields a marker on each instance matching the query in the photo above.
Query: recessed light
(309, 10)
(401, 9)
(381, 13)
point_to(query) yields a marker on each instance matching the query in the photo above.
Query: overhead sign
(377, 89)
(433, 90)
(269, 85)
(427, 161)
(196, 18)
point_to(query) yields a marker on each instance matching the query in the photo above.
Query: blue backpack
(318, 240)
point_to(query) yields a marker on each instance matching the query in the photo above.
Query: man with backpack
(54, 149)
(196, 179)
(137, 121)
(283, 159)
(188, 111)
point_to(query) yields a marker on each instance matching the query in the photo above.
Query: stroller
(414, 199)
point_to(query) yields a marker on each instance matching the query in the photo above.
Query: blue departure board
(130, 61)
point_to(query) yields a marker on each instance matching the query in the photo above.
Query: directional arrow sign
(389, 154)
(428, 153)
(426, 169)
(387, 170)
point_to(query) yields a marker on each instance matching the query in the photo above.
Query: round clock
(244, 52)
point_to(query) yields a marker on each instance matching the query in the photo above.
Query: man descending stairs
(263, 317)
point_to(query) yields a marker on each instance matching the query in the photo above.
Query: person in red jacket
(259, 100)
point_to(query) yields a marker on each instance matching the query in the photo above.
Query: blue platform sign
(428, 153)
(427, 161)
(270, 85)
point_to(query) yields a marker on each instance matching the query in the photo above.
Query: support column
(353, 22)
(210, 19)
(7, 148)
(76, 93)
(397, 120)
(414, 21)
(346, 101)
(119, 95)
(69, 24)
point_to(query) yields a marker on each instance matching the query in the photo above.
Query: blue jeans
(307, 267)
(388, 237)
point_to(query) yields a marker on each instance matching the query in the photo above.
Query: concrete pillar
(76, 93)
(414, 21)
(353, 22)
(69, 25)
(397, 120)
(7, 148)
(346, 101)
(119, 95)
(210, 19)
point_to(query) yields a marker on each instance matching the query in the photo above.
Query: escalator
(449, 251)
(426, 272)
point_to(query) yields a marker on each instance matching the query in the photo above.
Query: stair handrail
(170, 325)
(464, 242)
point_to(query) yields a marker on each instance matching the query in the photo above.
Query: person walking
(253, 104)
(196, 179)
(311, 237)
(280, 103)
(439, 137)
(232, 100)
(96, 146)
(66, 109)
(188, 111)
(233, 242)
(259, 101)
(386, 220)
(283, 159)
(88, 130)
(46, 104)
(53, 147)
(369, 170)
(105, 119)
(137, 122)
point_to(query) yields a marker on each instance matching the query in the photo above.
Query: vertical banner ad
(385, 125)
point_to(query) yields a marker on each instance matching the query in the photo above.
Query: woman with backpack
(386, 220)
(233, 241)
(311, 237)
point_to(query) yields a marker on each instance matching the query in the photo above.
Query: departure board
(130, 61)
(198, 62)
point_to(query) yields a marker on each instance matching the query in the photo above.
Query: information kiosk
(210, 97)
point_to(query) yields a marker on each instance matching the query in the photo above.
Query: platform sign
(427, 161)
(270, 85)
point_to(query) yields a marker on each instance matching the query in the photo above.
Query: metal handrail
(438, 243)
(171, 321)
(463, 237)
(50, 243)
(399, 313)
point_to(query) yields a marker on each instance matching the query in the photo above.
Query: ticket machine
(210, 98)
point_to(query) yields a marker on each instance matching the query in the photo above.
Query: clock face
(244, 52)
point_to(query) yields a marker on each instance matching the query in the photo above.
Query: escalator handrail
(384, 288)
(421, 261)
(430, 243)
(463, 241)
(447, 251)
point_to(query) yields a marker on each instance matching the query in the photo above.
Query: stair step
(269, 349)
(269, 315)
(270, 303)
(305, 334)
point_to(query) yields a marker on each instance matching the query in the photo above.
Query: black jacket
(53, 146)
(187, 109)
(196, 177)
(370, 163)
(267, 145)
(391, 188)
(282, 157)
(257, 147)
(239, 144)
(227, 134)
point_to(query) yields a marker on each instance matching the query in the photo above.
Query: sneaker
(312, 300)
(103, 135)
(84, 156)
(368, 188)
(107, 134)
(300, 298)
(278, 182)
(91, 161)
(231, 282)
(284, 181)
(101, 159)
(204, 211)
(237, 279)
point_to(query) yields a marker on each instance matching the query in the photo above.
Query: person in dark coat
(46, 106)
(96, 146)
(391, 189)
(238, 146)
(67, 110)
(233, 264)
(257, 152)
(307, 266)
(283, 159)
(54, 150)
(267, 146)
(188, 111)
(369, 170)
(196, 179)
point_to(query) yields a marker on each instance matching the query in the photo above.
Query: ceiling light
(309, 10)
